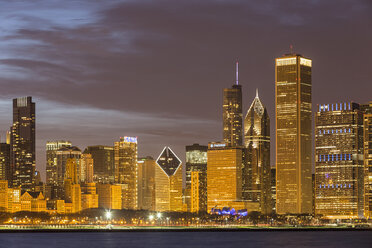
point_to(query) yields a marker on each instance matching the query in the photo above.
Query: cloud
(157, 68)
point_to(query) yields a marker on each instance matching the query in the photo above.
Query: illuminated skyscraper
(339, 160)
(293, 134)
(224, 178)
(256, 182)
(72, 190)
(196, 161)
(51, 159)
(126, 171)
(103, 163)
(23, 143)
(86, 168)
(146, 183)
(109, 196)
(367, 126)
(232, 114)
(168, 182)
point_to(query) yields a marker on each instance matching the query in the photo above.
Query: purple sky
(156, 69)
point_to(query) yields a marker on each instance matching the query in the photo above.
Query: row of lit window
(328, 131)
(327, 186)
(334, 157)
(335, 107)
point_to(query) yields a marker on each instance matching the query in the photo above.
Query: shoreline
(182, 229)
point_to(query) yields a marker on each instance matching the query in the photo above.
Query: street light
(151, 217)
(158, 215)
(108, 215)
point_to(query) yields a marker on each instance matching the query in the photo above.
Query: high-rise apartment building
(339, 160)
(168, 182)
(103, 163)
(256, 182)
(51, 160)
(233, 114)
(22, 143)
(146, 183)
(293, 134)
(196, 161)
(126, 171)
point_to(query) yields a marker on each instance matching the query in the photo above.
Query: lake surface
(283, 239)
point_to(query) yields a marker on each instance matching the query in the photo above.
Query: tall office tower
(22, 143)
(51, 159)
(103, 163)
(62, 155)
(146, 183)
(339, 160)
(256, 182)
(168, 182)
(224, 178)
(126, 171)
(8, 135)
(293, 134)
(232, 114)
(5, 170)
(196, 161)
(367, 127)
(86, 168)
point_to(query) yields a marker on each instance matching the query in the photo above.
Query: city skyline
(71, 84)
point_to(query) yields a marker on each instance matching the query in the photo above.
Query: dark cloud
(170, 60)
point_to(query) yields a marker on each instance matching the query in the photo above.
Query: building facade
(256, 182)
(86, 168)
(233, 114)
(293, 134)
(22, 143)
(126, 171)
(146, 183)
(367, 127)
(168, 182)
(196, 161)
(339, 160)
(51, 159)
(5, 170)
(103, 163)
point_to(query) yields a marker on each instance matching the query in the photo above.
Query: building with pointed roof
(256, 171)
(168, 181)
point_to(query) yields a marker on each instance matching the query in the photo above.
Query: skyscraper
(196, 161)
(339, 160)
(367, 127)
(86, 168)
(224, 178)
(23, 143)
(51, 159)
(146, 183)
(256, 182)
(232, 114)
(5, 172)
(293, 134)
(168, 182)
(126, 171)
(103, 163)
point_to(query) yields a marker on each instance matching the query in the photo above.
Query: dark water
(189, 239)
